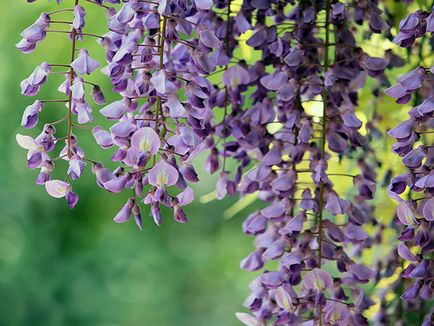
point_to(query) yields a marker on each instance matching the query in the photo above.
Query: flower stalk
(71, 78)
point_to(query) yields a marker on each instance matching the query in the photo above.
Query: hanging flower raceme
(287, 121)
(163, 116)
(73, 89)
(281, 143)
(414, 189)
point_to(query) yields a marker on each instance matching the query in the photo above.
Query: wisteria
(414, 144)
(156, 62)
(73, 89)
(304, 228)
(284, 127)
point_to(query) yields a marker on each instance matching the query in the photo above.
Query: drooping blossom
(413, 189)
(255, 114)
(60, 189)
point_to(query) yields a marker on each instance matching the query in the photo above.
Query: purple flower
(114, 110)
(275, 250)
(411, 293)
(34, 34)
(235, 76)
(355, 232)
(32, 85)
(405, 253)
(402, 131)
(25, 46)
(162, 83)
(59, 189)
(430, 23)
(117, 184)
(222, 183)
(272, 279)
(125, 213)
(162, 175)
(294, 57)
(405, 214)
(375, 66)
(283, 298)
(208, 38)
(176, 109)
(28, 143)
(253, 262)
(246, 319)
(252, 119)
(84, 64)
(30, 115)
(275, 210)
(255, 224)
(156, 212)
(274, 81)
(179, 214)
(336, 313)
(185, 197)
(318, 280)
(294, 225)
(137, 217)
(123, 129)
(204, 4)
(79, 13)
(98, 95)
(146, 140)
(361, 273)
(102, 137)
(428, 210)
(336, 205)
(76, 168)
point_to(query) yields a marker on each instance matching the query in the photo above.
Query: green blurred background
(63, 267)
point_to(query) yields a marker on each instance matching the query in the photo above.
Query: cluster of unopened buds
(161, 58)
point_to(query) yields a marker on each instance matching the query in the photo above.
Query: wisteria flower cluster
(182, 91)
(156, 131)
(414, 189)
(302, 228)
(72, 89)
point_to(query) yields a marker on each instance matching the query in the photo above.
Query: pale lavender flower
(125, 213)
(79, 13)
(84, 64)
(60, 189)
(31, 85)
(34, 34)
(163, 175)
(146, 140)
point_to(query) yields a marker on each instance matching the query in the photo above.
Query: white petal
(56, 188)
(247, 319)
(27, 142)
(186, 196)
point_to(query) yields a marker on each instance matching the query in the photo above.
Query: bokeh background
(62, 267)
